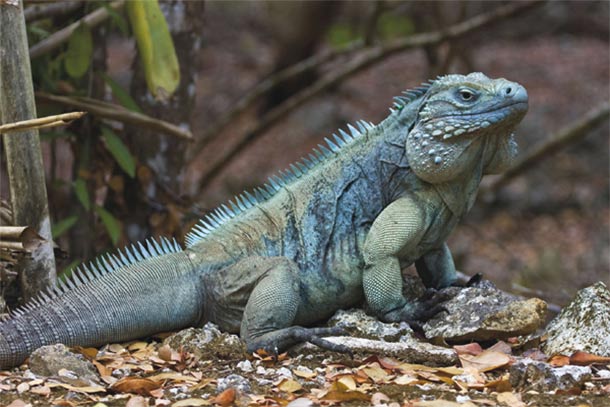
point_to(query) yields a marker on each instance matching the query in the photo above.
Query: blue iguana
(332, 230)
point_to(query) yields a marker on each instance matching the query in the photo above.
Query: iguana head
(463, 120)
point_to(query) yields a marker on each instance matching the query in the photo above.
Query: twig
(59, 37)
(42, 122)
(262, 88)
(568, 135)
(19, 238)
(368, 57)
(118, 113)
(38, 11)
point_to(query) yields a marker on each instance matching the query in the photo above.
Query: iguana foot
(276, 341)
(472, 282)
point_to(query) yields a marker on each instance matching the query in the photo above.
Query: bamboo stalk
(41, 122)
(23, 155)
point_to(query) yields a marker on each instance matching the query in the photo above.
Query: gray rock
(482, 313)
(58, 361)
(207, 343)
(584, 325)
(357, 323)
(411, 350)
(235, 381)
(528, 374)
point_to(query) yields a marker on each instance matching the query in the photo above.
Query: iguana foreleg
(436, 268)
(396, 231)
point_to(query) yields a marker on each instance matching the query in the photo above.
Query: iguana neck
(459, 194)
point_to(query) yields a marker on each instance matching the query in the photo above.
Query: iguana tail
(147, 289)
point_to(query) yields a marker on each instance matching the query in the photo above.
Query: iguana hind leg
(271, 310)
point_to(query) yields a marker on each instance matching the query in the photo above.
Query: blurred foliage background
(258, 84)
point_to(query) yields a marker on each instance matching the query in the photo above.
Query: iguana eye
(467, 95)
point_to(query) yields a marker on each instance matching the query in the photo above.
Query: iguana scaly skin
(334, 229)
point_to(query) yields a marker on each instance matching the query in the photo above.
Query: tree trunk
(24, 158)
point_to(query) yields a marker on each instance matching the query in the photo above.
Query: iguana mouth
(497, 109)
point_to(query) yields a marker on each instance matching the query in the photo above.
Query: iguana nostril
(508, 90)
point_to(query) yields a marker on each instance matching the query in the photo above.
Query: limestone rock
(483, 313)
(235, 381)
(410, 350)
(58, 361)
(584, 325)
(357, 323)
(528, 374)
(207, 343)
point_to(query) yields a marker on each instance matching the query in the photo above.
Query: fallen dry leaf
(304, 374)
(346, 383)
(486, 361)
(379, 398)
(345, 396)
(375, 373)
(83, 389)
(511, 399)
(583, 358)
(559, 360)
(137, 401)
(41, 390)
(501, 347)
(168, 354)
(442, 403)
(135, 385)
(225, 398)
(289, 386)
(174, 376)
(468, 349)
(192, 403)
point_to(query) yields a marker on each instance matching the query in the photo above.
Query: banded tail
(147, 289)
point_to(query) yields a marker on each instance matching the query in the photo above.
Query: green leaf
(80, 51)
(117, 19)
(112, 224)
(341, 34)
(394, 26)
(80, 189)
(63, 226)
(119, 151)
(121, 94)
(155, 47)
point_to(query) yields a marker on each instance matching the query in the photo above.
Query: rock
(235, 381)
(58, 361)
(409, 349)
(357, 323)
(483, 313)
(208, 343)
(539, 376)
(584, 325)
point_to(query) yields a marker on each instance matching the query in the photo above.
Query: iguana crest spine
(247, 200)
(100, 266)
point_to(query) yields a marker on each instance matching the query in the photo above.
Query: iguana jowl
(332, 230)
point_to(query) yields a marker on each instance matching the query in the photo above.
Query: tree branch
(118, 113)
(368, 57)
(91, 20)
(262, 88)
(38, 11)
(42, 122)
(568, 135)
